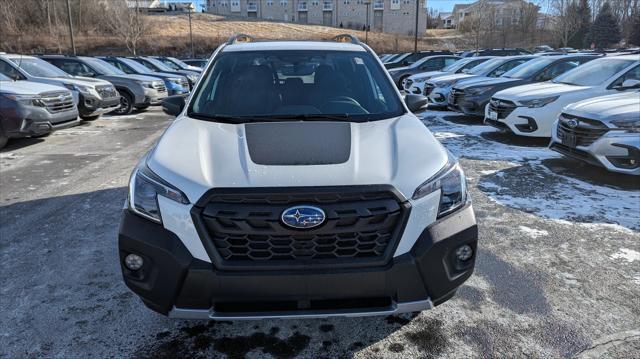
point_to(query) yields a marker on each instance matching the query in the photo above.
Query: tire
(126, 105)
(142, 108)
(3, 138)
(90, 118)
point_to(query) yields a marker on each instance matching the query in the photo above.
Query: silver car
(34, 109)
(603, 131)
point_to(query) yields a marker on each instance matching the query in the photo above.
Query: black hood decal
(299, 143)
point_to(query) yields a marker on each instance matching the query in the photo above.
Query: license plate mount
(492, 115)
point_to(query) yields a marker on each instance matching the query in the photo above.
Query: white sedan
(531, 110)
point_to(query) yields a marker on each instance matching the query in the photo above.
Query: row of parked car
(40, 94)
(588, 104)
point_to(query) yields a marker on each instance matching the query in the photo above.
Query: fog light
(464, 253)
(133, 262)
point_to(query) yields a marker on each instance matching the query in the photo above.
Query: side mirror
(415, 102)
(630, 84)
(173, 105)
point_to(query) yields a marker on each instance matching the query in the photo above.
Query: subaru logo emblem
(572, 123)
(61, 98)
(303, 217)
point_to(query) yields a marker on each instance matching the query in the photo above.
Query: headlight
(176, 81)
(144, 189)
(477, 90)
(32, 100)
(442, 84)
(193, 78)
(79, 88)
(147, 84)
(539, 102)
(452, 185)
(630, 125)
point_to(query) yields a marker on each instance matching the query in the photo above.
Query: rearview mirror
(415, 102)
(173, 105)
(630, 84)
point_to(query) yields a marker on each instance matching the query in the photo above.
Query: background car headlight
(452, 184)
(442, 84)
(539, 102)
(32, 100)
(477, 90)
(78, 88)
(144, 189)
(147, 84)
(631, 125)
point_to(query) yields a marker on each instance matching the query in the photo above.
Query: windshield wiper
(219, 118)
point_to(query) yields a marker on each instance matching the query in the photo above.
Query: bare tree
(566, 21)
(127, 23)
(479, 22)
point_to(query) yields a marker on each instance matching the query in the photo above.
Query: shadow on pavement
(511, 139)
(463, 119)
(18, 143)
(592, 174)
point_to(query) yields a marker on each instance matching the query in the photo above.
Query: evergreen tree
(634, 35)
(583, 17)
(604, 30)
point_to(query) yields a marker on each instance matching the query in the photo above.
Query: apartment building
(504, 13)
(393, 16)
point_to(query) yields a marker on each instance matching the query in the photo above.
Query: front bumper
(616, 151)
(525, 121)
(472, 105)
(439, 97)
(174, 283)
(154, 96)
(93, 106)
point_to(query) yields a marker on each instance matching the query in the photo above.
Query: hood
(165, 75)
(28, 88)
(608, 108)
(194, 68)
(485, 81)
(427, 75)
(538, 90)
(453, 78)
(132, 77)
(85, 81)
(197, 155)
(399, 69)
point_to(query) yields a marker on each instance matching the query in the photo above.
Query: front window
(104, 67)
(528, 69)
(136, 66)
(593, 73)
(168, 63)
(297, 84)
(486, 66)
(155, 65)
(38, 67)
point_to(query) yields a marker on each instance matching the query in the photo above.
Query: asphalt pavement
(557, 275)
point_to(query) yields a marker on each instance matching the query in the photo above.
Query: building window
(284, 2)
(395, 4)
(269, 2)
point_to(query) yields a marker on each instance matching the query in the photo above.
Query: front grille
(502, 107)
(58, 101)
(407, 84)
(456, 95)
(160, 87)
(428, 88)
(243, 230)
(107, 91)
(579, 131)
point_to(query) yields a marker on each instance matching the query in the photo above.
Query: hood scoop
(299, 143)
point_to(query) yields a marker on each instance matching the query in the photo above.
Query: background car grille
(502, 107)
(428, 88)
(160, 87)
(107, 91)
(245, 230)
(586, 131)
(58, 101)
(456, 95)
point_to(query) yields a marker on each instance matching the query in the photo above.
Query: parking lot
(558, 272)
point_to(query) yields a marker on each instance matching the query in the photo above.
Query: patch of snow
(532, 232)
(627, 254)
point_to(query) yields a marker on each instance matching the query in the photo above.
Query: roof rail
(347, 38)
(239, 38)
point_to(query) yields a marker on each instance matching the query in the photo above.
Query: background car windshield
(39, 68)
(297, 83)
(159, 65)
(179, 62)
(486, 66)
(456, 65)
(593, 73)
(528, 69)
(136, 66)
(104, 67)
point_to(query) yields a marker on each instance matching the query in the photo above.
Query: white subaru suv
(296, 182)
(603, 131)
(531, 110)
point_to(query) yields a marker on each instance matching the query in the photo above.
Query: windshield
(593, 73)
(157, 65)
(486, 66)
(136, 66)
(295, 84)
(529, 68)
(103, 67)
(168, 64)
(179, 62)
(39, 68)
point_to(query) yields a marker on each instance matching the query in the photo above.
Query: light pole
(193, 56)
(73, 43)
(415, 39)
(366, 28)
